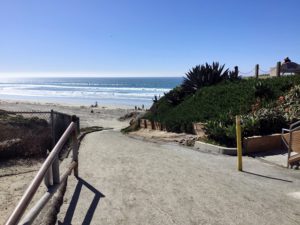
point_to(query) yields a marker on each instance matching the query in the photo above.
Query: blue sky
(144, 38)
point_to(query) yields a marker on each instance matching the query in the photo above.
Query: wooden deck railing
(49, 171)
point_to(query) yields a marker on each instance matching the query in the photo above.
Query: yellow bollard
(239, 143)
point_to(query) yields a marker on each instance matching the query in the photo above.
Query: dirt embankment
(22, 137)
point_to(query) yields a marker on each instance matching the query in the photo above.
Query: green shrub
(264, 122)
(220, 132)
(290, 104)
(225, 98)
(218, 104)
(263, 90)
(175, 96)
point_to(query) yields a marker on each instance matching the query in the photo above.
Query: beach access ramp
(123, 180)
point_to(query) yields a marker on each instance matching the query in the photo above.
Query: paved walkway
(128, 181)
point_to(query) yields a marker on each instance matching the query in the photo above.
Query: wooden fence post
(53, 128)
(256, 71)
(236, 70)
(278, 69)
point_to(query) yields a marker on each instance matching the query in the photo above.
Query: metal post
(52, 128)
(48, 179)
(55, 171)
(75, 147)
(256, 71)
(289, 147)
(278, 69)
(78, 125)
(239, 143)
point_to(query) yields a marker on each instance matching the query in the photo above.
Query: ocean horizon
(128, 91)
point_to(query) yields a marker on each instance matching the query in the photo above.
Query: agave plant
(205, 75)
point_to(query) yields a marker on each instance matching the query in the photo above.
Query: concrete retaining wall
(253, 144)
(262, 143)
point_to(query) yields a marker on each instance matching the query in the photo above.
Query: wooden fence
(278, 70)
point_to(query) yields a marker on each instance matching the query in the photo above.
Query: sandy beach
(106, 116)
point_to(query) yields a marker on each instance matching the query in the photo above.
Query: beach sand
(106, 116)
(15, 175)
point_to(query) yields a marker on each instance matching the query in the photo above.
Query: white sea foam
(124, 94)
(124, 91)
(42, 86)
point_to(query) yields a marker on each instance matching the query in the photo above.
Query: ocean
(126, 91)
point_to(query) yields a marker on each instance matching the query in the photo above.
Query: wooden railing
(49, 171)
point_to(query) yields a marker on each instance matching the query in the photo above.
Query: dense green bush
(175, 96)
(289, 104)
(222, 130)
(226, 99)
(264, 122)
(263, 90)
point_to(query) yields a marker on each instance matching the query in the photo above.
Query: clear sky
(146, 38)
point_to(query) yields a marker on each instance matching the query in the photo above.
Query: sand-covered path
(128, 181)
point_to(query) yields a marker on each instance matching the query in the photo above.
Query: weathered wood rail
(49, 171)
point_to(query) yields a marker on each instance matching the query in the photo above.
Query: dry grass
(23, 137)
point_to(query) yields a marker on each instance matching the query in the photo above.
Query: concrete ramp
(128, 181)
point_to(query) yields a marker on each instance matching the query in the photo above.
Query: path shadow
(268, 177)
(72, 206)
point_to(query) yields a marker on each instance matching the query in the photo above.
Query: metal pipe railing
(34, 185)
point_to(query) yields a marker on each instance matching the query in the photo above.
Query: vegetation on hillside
(23, 137)
(214, 96)
(198, 77)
